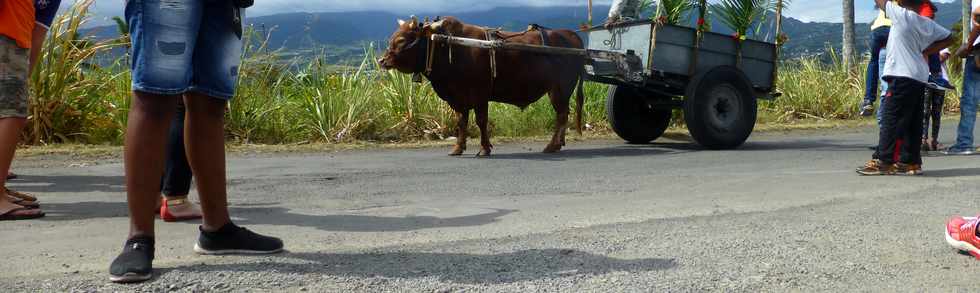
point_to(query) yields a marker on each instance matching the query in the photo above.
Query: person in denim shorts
(189, 50)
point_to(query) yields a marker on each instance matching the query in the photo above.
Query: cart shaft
(502, 45)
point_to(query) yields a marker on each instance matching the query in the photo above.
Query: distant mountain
(344, 35)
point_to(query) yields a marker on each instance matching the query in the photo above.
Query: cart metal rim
(725, 106)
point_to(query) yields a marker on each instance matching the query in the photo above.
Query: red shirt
(17, 21)
(926, 10)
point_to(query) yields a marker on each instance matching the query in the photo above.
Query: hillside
(343, 36)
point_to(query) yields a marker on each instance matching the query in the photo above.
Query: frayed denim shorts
(181, 46)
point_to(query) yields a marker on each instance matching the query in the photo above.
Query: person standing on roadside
(190, 50)
(623, 11)
(176, 182)
(23, 27)
(879, 38)
(44, 13)
(912, 38)
(971, 90)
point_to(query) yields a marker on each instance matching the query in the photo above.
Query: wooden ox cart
(655, 68)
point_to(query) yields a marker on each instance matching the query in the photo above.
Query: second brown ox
(462, 76)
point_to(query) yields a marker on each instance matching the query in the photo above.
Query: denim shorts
(180, 46)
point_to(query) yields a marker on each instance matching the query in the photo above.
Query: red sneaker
(961, 233)
(179, 209)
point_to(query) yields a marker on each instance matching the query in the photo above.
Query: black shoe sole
(130, 278)
(199, 250)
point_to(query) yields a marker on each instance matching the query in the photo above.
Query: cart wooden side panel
(674, 46)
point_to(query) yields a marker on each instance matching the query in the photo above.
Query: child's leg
(938, 102)
(935, 65)
(927, 109)
(878, 39)
(910, 127)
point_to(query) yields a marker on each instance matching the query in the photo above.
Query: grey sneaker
(959, 152)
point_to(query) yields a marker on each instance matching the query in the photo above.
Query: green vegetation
(282, 100)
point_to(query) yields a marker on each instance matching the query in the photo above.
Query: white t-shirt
(976, 4)
(910, 35)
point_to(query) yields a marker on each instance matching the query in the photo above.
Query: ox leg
(560, 102)
(483, 121)
(462, 122)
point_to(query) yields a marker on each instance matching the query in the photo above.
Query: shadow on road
(950, 173)
(670, 148)
(250, 215)
(83, 210)
(524, 265)
(606, 152)
(358, 223)
(42, 184)
(803, 145)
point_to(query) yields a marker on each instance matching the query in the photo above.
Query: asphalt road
(784, 213)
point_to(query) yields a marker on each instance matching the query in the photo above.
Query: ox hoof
(551, 149)
(483, 154)
(457, 151)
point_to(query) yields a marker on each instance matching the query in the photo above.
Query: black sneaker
(135, 263)
(232, 239)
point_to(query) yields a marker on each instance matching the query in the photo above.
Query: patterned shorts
(13, 79)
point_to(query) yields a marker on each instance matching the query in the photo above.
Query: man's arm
(37, 41)
(938, 46)
(967, 45)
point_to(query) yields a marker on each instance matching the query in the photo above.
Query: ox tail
(579, 101)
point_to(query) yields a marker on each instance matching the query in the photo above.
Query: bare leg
(463, 121)
(561, 122)
(483, 121)
(205, 143)
(146, 140)
(10, 129)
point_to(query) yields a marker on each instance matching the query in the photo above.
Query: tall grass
(813, 89)
(297, 101)
(68, 91)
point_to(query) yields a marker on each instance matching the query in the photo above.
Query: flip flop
(21, 195)
(21, 214)
(24, 202)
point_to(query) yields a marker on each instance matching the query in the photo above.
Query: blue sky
(806, 10)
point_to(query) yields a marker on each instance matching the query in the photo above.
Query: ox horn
(437, 25)
(401, 22)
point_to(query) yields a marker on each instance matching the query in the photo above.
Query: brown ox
(462, 77)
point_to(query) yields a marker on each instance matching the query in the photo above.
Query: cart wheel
(720, 109)
(632, 118)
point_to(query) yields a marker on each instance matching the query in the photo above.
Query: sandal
(11, 175)
(21, 195)
(179, 209)
(23, 202)
(21, 214)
